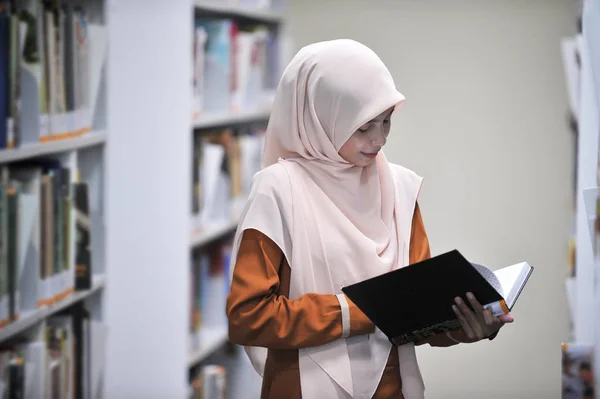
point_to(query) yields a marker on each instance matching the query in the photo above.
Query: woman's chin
(363, 163)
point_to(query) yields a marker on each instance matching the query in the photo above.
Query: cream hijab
(336, 223)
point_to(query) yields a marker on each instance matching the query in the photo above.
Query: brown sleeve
(419, 250)
(259, 316)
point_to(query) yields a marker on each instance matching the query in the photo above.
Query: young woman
(326, 211)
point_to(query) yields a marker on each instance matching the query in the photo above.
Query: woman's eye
(364, 129)
(386, 122)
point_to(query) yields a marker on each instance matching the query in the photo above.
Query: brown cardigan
(261, 314)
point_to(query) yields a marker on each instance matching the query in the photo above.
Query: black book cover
(414, 302)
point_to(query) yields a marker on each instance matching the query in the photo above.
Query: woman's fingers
(489, 318)
(475, 303)
(466, 326)
(471, 318)
(481, 322)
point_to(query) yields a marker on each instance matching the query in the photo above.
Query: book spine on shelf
(235, 65)
(83, 271)
(37, 243)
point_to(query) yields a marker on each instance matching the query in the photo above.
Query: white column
(148, 197)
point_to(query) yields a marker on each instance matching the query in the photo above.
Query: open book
(414, 302)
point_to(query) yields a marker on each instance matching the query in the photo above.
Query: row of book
(209, 382)
(224, 163)
(209, 286)
(60, 361)
(235, 65)
(51, 60)
(44, 236)
(577, 372)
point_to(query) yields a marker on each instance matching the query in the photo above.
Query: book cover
(415, 302)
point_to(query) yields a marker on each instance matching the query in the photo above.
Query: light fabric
(345, 315)
(336, 223)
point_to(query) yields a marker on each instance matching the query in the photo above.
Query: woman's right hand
(481, 323)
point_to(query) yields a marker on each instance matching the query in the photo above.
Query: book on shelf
(414, 302)
(50, 71)
(571, 55)
(209, 286)
(236, 65)
(209, 382)
(60, 359)
(224, 162)
(577, 371)
(41, 204)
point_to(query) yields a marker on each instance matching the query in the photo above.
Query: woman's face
(362, 147)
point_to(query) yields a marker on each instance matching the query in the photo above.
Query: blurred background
(130, 131)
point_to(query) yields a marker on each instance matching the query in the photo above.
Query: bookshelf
(227, 135)
(582, 71)
(175, 183)
(53, 136)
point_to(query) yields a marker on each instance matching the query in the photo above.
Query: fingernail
(457, 300)
(470, 295)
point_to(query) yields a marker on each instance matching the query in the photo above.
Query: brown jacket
(261, 314)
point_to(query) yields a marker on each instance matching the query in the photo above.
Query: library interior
(119, 248)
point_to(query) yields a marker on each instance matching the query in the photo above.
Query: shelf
(230, 118)
(204, 236)
(32, 318)
(210, 339)
(54, 147)
(235, 11)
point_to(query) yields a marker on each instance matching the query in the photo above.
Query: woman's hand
(481, 323)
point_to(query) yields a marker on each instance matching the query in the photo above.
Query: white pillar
(148, 197)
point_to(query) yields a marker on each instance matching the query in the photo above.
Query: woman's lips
(369, 155)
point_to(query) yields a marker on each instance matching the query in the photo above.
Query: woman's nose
(378, 138)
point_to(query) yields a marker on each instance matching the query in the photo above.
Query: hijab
(336, 223)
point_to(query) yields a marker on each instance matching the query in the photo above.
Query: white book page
(209, 174)
(512, 278)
